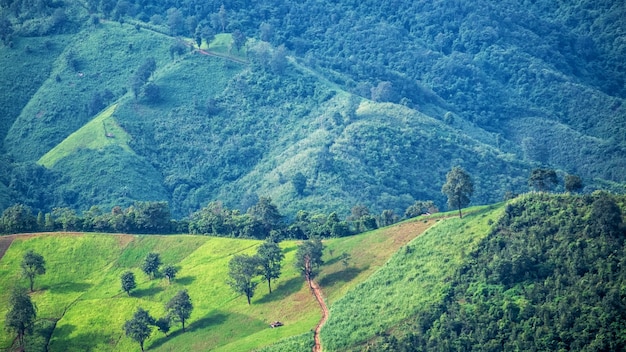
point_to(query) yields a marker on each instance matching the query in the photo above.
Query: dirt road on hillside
(315, 288)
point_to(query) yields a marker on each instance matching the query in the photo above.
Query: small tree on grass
(21, 314)
(151, 264)
(163, 324)
(32, 265)
(270, 257)
(180, 307)
(139, 327)
(459, 187)
(128, 281)
(241, 272)
(170, 272)
(309, 258)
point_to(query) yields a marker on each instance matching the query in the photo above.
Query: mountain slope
(548, 275)
(332, 91)
(81, 304)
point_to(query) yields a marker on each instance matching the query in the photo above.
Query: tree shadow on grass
(186, 280)
(282, 290)
(213, 319)
(69, 287)
(145, 292)
(344, 275)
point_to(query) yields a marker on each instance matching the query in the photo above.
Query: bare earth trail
(315, 288)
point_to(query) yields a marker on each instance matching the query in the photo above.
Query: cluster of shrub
(261, 221)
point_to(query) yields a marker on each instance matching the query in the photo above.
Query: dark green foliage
(309, 258)
(151, 217)
(606, 216)
(139, 327)
(267, 214)
(17, 218)
(151, 264)
(128, 281)
(459, 188)
(420, 207)
(542, 180)
(242, 270)
(170, 271)
(270, 257)
(573, 183)
(179, 308)
(32, 264)
(66, 218)
(299, 182)
(549, 277)
(163, 324)
(239, 39)
(21, 314)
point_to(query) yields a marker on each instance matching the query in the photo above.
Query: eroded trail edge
(315, 288)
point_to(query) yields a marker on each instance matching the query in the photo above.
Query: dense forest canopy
(320, 105)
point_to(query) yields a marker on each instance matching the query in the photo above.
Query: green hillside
(543, 272)
(373, 112)
(81, 304)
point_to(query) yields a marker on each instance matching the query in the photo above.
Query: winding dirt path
(317, 291)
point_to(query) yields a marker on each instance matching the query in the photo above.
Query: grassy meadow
(416, 277)
(81, 290)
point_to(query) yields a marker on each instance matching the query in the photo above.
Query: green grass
(99, 133)
(416, 277)
(81, 288)
(106, 57)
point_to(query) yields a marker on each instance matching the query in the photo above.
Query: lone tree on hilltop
(33, 264)
(459, 187)
(21, 315)
(151, 264)
(542, 180)
(241, 271)
(309, 258)
(139, 327)
(270, 257)
(128, 282)
(180, 307)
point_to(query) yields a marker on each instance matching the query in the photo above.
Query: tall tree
(270, 258)
(128, 281)
(242, 269)
(21, 315)
(32, 265)
(139, 327)
(267, 214)
(309, 258)
(459, 187)
(180, 307)
(542, 180)
(151, 264)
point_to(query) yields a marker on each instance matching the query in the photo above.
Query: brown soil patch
(5, 243)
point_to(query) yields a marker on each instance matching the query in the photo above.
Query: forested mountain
(549, 276)
(320, 105)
